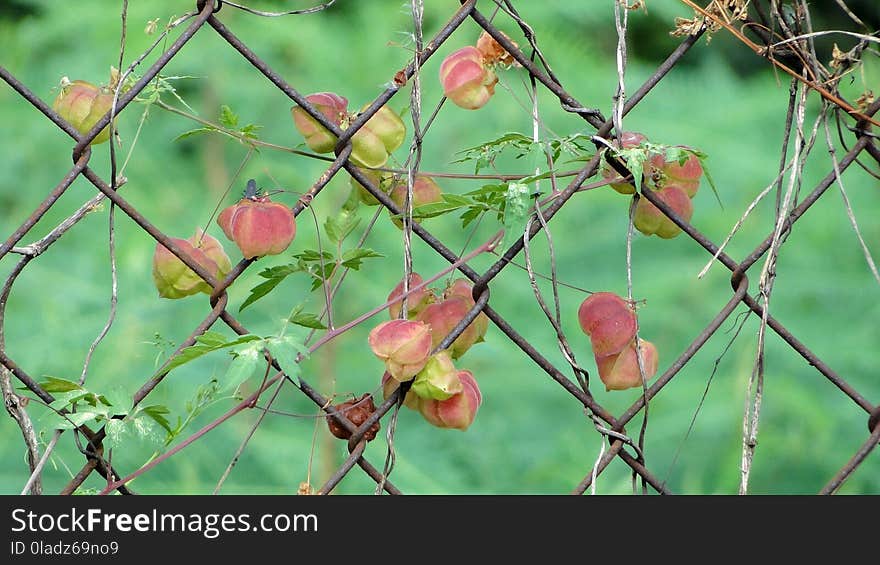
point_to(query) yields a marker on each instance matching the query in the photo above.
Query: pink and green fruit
(461, 288)
(620, 371)
(173, 279)
(333, 107)
(403, 345)
(609, 321)
(685, 176)
(629, 140)
(438, 379)
(649, 220)
(258, 226)
(380, 180)
(82, 105)
(383, 133)
(425, 191)
(458, 411)
(467, 81)
(371, 144)
(443, 316)
(416, 301)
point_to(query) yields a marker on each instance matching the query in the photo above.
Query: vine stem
(755, 387)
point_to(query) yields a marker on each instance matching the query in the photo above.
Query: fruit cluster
(255, 224)
(468, 74)
(445, 396)
(611, 324)
(674, 177)
(371, 145)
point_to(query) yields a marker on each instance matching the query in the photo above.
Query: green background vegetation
(530, 436)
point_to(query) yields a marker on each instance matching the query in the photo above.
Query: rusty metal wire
(612, 427)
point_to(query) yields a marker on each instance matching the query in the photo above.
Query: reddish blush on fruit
(416, 301)
(608, 320)
(467, 81)
(649, 220)
(317, 137)
(458, 411)
(258, 226)
(404, 346)
(621, 370)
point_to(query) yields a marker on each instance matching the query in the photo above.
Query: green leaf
(65, 399)
(207, 342)
(535, 178)
(677, 154)
(279, 271)
(488, 190)
(485, 154)
(634, 158)
(451, 202)
(577, 145)
(260, 291)
(250, 131)
(204, 395)
(321, 273)
(157, 413)
(516, 209)
(306, 320)
(470, 215)
(55, 421)
(702, 157)
(194, 132)
(285, 351)
(312, 256)
(353, 258)
(118, 399)
(115, 431)
(341, 225)
(54, 384)
(228, 118)
(242, 367)
(457, 199)
(712, 185)
(146, 428)
(211, 338)
(275, 275)
(139, 427)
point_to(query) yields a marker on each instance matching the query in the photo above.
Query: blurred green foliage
(530, 436)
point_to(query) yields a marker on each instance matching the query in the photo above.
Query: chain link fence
(783, 47)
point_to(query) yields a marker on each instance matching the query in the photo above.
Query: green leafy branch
(509, 201)
(75, 406)
(321, 266)
(636, 157)
(229, 126)
(248, 352)
(519, 145)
